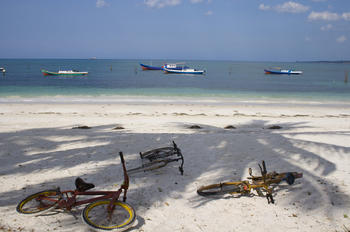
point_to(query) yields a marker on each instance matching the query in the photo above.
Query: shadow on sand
(211, 155)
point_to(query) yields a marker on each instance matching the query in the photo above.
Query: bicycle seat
(82, 186)
(289, 178)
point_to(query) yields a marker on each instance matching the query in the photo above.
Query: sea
(113, 78)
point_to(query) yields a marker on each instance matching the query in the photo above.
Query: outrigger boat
(63, 73)
(282, 71)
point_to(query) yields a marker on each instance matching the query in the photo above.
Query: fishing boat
(168, 66)
(149, 67)
(282, 71)
(63, 73)
(3, 70)
(174, 66)
(183, 70)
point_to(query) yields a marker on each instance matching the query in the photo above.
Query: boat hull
(49, 73)
(288, 72)
(149, 67)
(184, 71)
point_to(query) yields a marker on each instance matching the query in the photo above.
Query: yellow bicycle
(258, 183)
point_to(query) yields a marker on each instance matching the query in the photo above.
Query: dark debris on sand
(275, 127)
(229, 127)
(195, 127)
(118, 128)
(81, 127)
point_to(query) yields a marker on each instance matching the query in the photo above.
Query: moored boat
(149, 67)
(184, 70)
(174, 66)
(168, 66)
(63, 73)
(282, 71)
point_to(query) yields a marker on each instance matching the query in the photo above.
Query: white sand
(39, 150)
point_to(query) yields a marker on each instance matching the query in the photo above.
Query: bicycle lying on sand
(258, 183)
(105, 212)
(160, 157)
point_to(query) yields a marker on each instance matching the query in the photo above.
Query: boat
(174, 66)
(149, 67)
(63, 73)
(169, 66)
(184, 70)
(3, 70)
(282, 71)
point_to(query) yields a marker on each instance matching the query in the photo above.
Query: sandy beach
(39, 150)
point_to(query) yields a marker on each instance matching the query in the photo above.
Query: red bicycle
(104, 212)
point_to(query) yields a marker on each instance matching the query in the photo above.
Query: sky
(237, 30)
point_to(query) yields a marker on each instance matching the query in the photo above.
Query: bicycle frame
(68, 198)
(266, 179)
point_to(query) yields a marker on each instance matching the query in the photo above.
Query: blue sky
(239, 30)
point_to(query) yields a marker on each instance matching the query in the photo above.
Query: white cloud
(325, 15)
(264, 7)
(326, 27)
(101, 3)
(341, 39)
(208, 13)
(196, 1)
(346, 16)
(161, 3)
(292, 7)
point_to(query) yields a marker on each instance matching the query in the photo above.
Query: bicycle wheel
(39, 202)
(158, 153)
(219, 189)
(96, 216)
(149, 166)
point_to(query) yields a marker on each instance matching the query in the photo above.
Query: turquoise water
(228, 79)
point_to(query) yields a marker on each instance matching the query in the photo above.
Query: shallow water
(223, 79)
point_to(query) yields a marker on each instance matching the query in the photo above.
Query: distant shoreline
(169, 100)
(327, 61)
(185, 60)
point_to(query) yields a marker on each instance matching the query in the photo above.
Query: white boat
(63, 73)
(174, 66)
(282, 71)
(3, 70)
(184, 70)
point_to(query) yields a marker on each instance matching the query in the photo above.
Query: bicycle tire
(39, 205)
(149, 166)
(95, 215)
(219, 189)
(158, 153)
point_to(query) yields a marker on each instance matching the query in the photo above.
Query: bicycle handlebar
(121, 157)
(126, 177)
(264, 167)
(175, 146)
